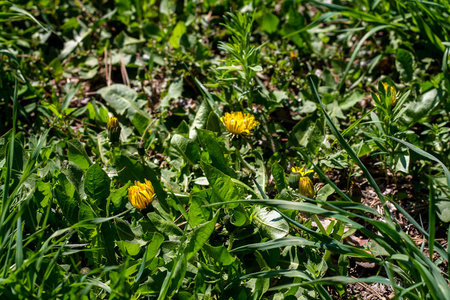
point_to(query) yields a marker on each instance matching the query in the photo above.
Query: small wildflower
(239, 123)
(305, 184)
(300, 171)
(294, 55)
(393, 93)
(141, 194)
(113, 130)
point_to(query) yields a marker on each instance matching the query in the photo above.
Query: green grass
(355, 91)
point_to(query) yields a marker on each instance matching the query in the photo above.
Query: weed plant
(224, 150)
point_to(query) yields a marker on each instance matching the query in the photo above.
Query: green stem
(244, 163)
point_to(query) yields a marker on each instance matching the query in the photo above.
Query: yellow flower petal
(141, 194)
(306, 187)
(239, 123)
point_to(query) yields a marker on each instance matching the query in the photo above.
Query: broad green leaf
(184, 147)
(443, 210)
(201, 117)
(124, 100)
(123, 229)
(140, 123)
(309, 132)
(77, 154)
(199, 214)
(239, 216)
(351, 99)
(269, 23)
(270, 223)
(177, 32)
(324, 192)
(216, 152)
(97, 184)
(279, 177)
(402, 164)
(404, 61)
(43, 193)
(221, 184)
(86, 213)
(75, 176)
(131, 248)
(199, 236)
(220, 254)
(119, 196)
(214, 123)
(421, 108)
(153, 248)
(164, 226)
(69, 205)
(128, 44)
(175, 91)
(67, 186)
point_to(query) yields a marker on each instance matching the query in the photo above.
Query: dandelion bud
(306, 187)
(293, 179)
(355, 191)
(113, 130)
(141, 194)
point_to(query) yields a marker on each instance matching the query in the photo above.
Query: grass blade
(426, 155)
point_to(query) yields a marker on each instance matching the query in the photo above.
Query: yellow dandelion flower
(141, 194)
(239, 123)
(300, 171)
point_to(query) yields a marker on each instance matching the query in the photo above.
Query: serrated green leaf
(201, 117)
(199, 236)
(69, 205)
(97, 184)
(279, 177)
(216, 152)
(404, 61)
(123, 230)
(77, 154)
(184, 147)
(221, 184)
(124, 100)
(270, 223)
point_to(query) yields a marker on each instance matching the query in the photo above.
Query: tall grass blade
(426, 155)
(350, 151)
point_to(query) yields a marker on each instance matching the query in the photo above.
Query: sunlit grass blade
(431, 220)
(299, 241)
(349, 150)
(356, 52)
(289, 273)
(438, 246)
(426, 155)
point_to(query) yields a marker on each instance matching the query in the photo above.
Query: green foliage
(354, 90)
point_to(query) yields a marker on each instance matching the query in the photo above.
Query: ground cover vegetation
(224, 149)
